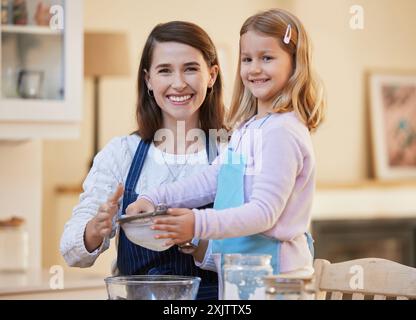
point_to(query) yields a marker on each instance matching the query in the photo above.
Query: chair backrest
(375, 277)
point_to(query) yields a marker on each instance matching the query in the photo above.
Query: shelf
(16, 100)
(367, 184)
(371, 200)
(29, 30)
(69, 189)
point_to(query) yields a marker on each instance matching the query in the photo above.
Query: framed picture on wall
(393, 124)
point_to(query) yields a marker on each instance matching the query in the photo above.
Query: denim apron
(133, 259)
(230, 194)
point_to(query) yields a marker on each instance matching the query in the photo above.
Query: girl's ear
(213, 72)
(146, 79)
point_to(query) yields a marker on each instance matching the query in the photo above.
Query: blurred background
(365, 205)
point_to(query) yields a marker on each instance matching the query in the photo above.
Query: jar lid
(282, 284)
(247, 259)
(274, 281)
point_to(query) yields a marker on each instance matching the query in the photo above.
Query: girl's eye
(267, 58)
(191, 69)
(246, 59)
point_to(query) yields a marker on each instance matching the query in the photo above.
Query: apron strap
(132, 258)
(310, 241)
(211, 148)
(137, 165)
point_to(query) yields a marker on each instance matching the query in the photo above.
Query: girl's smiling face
(179, 78)
(265, 67)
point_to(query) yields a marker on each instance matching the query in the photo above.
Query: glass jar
(243, 276)
(4, 11)
(279, 288)
(14, 248)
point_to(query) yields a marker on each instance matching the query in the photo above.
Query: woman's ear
(213, 72)
(147, 79)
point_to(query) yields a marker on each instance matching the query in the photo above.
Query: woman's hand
(140, 206)
(101, 225)
(179, 228)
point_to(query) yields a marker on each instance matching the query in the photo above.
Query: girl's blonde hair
(303, 92)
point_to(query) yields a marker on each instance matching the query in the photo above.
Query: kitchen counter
(366, 200)
(41, 284)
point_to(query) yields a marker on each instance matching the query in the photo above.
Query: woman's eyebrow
(193, 63)
(168, 65)
(163, 65)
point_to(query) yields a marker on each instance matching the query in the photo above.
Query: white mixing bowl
(138, 231)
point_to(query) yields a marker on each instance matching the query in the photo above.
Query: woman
(179, 90)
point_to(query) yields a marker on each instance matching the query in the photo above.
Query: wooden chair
(378, 278)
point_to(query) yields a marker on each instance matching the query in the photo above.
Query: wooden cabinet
(41, 73)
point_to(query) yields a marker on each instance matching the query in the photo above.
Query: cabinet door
(41, 64)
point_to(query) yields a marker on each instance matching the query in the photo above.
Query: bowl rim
(140, 222)
(152, 279)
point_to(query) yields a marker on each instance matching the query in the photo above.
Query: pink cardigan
(278, 185)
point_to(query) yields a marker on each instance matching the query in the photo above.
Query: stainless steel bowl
(147, 287)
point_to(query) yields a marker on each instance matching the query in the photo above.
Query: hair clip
(288, 34)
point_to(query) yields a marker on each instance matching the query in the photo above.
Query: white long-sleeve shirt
(111, 167)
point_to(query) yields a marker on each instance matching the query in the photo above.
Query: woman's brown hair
(148, 113)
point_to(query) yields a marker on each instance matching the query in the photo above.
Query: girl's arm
(278, 161)
(101, 182)
(191, 192)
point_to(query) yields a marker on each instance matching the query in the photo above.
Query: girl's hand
(101, 225)
(179, 227)
(139, 206)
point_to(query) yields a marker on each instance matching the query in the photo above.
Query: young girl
(179, 89)
(263, 187)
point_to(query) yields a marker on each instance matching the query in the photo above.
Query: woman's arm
(100, 227)
(80, 245)
(200, 251)
(204, 259)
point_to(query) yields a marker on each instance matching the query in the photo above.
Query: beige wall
(342, 57)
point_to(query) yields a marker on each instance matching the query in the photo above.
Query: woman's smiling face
(179, 78)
